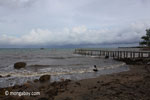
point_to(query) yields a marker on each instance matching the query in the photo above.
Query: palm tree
(146, 39)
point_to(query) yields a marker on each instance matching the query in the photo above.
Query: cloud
(78, 35)
(51, 22)
(2, 21)
(16, 3)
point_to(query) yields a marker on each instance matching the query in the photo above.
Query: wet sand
(130, 85)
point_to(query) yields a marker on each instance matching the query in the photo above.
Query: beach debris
(19, 65)
(95, 68)
(44, 78)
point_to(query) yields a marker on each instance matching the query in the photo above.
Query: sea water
(59, 63)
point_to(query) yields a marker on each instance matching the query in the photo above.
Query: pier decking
(119, 54)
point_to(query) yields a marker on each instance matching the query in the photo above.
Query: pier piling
(115, 54)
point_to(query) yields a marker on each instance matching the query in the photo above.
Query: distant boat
(42, 48)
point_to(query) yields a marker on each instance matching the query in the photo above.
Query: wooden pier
(119, 54)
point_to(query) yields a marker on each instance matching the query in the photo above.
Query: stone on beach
(19, 65)
(44, 78)
(8, 75)
(135, 61)
(36, 80)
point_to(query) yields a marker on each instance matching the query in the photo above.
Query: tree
(146, 39)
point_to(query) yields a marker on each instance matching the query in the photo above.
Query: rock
(27, 85)
(36, 80)
(44, 78)
(8, 76)
(42, 88)
(52, 92)
(17, 86)
(1, 76)
(132, 61)
(135, 61)
(19, 65)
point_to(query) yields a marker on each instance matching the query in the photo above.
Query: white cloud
(41, 22)
(78, 35)
(16, 3)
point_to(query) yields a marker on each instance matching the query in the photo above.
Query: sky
(47, 23)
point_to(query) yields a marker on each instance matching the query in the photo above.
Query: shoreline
(129, 85)
(22, 78)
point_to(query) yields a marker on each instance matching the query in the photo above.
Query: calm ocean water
(60, 63)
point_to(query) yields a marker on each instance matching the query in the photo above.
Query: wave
(56, 71)
(22, 76)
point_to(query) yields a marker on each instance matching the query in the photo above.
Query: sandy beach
(130, 85)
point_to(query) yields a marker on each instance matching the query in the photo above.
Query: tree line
(146, 39)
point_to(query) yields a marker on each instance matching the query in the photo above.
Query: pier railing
(114, 53)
